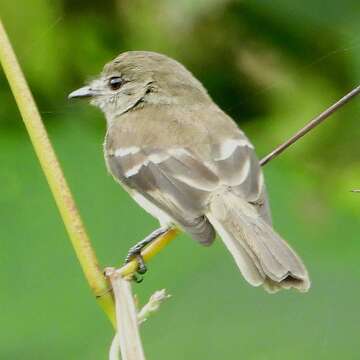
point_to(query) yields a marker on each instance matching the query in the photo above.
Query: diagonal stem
(59, 187)
(311, 125)
(54, 175)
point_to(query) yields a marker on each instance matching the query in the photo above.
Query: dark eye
(115, 82)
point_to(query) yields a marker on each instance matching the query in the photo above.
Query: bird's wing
(174, 180)
(178, 161)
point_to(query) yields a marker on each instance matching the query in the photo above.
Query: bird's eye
(115, 82)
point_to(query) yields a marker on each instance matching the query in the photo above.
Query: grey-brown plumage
(187, 163)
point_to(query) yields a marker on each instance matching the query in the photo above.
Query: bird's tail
(262, 256)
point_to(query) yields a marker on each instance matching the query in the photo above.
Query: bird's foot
(135, 253)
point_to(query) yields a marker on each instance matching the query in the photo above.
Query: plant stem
(128, 336)
(54, 175)
(311, 125)
(59, 187)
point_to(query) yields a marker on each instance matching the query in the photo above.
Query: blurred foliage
(272, 65)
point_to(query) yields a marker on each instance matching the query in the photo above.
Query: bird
(188, 164)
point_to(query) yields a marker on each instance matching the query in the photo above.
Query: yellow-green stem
(58, 185)
(54, 174)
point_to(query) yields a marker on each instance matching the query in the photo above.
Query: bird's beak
(83, 92)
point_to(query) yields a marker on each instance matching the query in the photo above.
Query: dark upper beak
(83, 92)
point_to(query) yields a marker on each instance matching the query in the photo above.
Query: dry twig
(311, 125)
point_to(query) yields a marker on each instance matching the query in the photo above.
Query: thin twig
(312, 124)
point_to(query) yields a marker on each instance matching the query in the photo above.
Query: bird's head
(137, 78)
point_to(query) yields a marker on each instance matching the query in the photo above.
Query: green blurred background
(272, 65)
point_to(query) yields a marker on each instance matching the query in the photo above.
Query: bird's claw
(136, 278)
(141, 266)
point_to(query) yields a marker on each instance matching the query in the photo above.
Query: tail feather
(262, 256)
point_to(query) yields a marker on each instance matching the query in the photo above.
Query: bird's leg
(135, 251)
